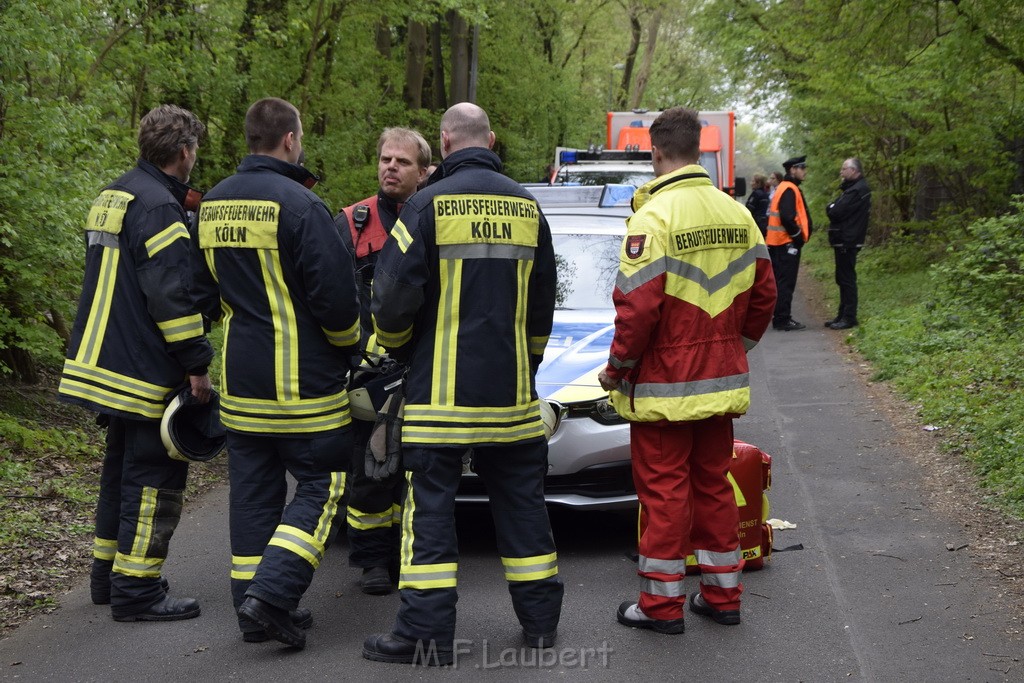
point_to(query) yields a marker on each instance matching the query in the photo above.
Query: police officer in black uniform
(274, 262)
(136, 341)
(465, 290)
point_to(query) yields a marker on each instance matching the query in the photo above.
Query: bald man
(465, 293)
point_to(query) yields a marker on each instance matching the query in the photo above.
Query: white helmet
(191, 431)
(550, 414)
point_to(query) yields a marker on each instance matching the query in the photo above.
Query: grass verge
(956, 363)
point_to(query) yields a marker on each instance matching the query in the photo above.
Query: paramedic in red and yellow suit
(694, 292)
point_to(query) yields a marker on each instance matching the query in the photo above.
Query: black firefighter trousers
(275, 548)
(374, 509)
(514, 477)
(139, 506)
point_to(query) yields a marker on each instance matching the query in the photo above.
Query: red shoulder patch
(635, 246)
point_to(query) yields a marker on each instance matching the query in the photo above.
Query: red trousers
(680, 469)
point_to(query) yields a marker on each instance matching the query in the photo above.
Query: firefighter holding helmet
(136, 341)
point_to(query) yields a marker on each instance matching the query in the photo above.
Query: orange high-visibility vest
(777, 235)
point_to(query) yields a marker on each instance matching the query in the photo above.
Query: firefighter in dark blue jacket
(136, 341)
(273, 262)
(465, 291)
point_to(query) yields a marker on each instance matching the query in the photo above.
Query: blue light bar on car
(567, 156)
(616, 195)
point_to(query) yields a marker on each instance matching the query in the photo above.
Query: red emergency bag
(751, 477)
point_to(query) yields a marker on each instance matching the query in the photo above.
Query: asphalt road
(875, 594)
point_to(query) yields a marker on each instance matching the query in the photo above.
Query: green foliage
(985, 269)
(943, 327)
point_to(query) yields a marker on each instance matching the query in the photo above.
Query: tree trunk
(645, 67)
(415, 60)
(437, 61)
(459, 38)
(636, 31)
(382, 40)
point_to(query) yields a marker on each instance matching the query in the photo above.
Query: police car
(588, 453)
(600, 167)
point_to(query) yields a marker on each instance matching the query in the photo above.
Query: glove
(384, 450)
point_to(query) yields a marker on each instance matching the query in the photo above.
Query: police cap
(799, 162)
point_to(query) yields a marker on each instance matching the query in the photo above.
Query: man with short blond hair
(374, 509)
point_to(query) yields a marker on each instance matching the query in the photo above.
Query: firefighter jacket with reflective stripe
(787, 215)
(137, 334)
(694, 292)
(273, 262)
(381, 217)
(465, 289)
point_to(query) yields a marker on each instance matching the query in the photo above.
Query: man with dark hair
(274, 262)
(848, 226)
(374, 512)
(694, 293)
(136, 342)
(789, 228)
(465, 290)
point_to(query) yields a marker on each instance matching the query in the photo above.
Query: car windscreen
(586, 266)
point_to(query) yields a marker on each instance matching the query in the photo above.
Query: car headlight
(600, 411)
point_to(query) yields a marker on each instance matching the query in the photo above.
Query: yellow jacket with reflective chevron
(137, 333)
(465, 289)
(694, 292)
(273, 262)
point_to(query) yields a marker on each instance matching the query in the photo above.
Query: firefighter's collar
(693, 174)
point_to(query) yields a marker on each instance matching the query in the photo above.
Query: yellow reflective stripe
(286, 356)
(428, 575)
(401, 235)
(179, 329)
(243, 567)
(741, 500)
(211, 263)
(140, 566)
(285, 425)
(104, 548)
(393, 339)
(446, 332)
(537, 345)
(459, 414)
(349, 337)
(297, 406)
(357, 519)
(128, 404)
(99, 312)
(144, 526)
(164, 238)
(115, 380)
(523, 367)
(330, 509)
(229, 313)
(299, 542)
(396, 514)
(407, 514)
(530, 568)
(470, 435)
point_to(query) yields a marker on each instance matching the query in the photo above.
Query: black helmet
(370, 386)
(191, 431)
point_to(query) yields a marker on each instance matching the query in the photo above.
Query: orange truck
(630, 131)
